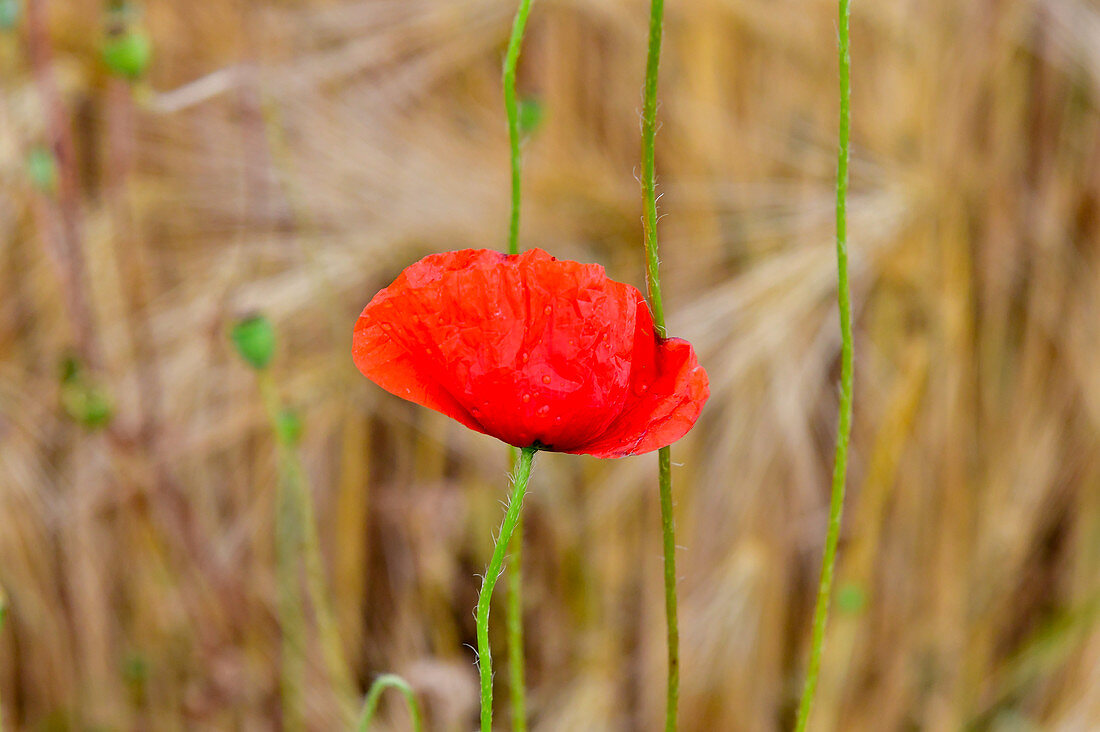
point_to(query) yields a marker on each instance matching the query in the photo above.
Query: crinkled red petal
(530, 350)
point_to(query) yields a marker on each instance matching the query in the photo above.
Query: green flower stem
(649, 174)
(513, 613)
(488, 582)
(370, 705)
(317, 588)
(844, 423)
(653, 284)
(514, 608)
(298, 541)
(288, 547)
(512, 109)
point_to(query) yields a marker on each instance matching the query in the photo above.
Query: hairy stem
(514, 608)
(653, 284)
(513, 615)
(512, 109)
(488, 582)
(844, 423)
(374, 694)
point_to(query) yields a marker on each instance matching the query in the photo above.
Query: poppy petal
(665, 412)
(531, 350)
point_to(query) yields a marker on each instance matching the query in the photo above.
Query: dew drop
(526, 398)
(544, 410)
(546, 379)
(524, 357)
(546, 310)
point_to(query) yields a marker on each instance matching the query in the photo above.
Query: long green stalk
(513, 620)
(844, 423)
(488, 582)
(511, 107)
(653, 284)
(292, 480)
(514, 608)
(383, 682)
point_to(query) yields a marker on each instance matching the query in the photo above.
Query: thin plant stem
(653, 284)
(511, 107)
(288, 550)
(844, 422)
(513, 610)
(488, 582)
(374, 694)
(292, 476)
(513, 616)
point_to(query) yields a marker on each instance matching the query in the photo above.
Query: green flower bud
(128, 53)
(10, 10)
(531, 116)
(288, 427)
(254, 338)
(42, 169)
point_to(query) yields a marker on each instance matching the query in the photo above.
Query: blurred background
(291, 157)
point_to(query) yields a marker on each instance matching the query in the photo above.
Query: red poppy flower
(533, 351)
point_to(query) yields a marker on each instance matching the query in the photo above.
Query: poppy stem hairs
(653, 283)
(488, 582)
(513, 610)
(844, 422)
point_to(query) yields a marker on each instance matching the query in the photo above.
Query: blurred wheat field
(292, 157)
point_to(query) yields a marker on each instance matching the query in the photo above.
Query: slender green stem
(653, 284)
(293, 481)
(374, 694)
(488, 582)
(649, 175)
(519, 25)
(514, 608)
(288, 548)
(513, 612)
(317, 588)
(844, 423)
(668, 532)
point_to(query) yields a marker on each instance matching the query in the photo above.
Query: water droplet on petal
(526, 398)
(546, 379)
(546, 310)
(524, 357)
(544, 410)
